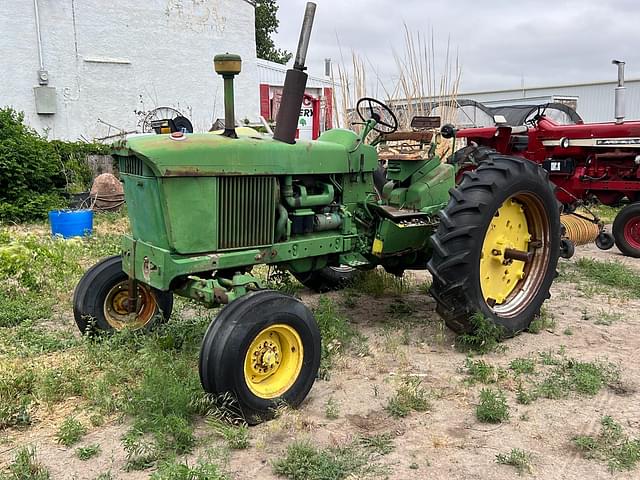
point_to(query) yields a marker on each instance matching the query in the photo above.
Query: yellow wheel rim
(499, 276)
(117, 314)
(273, 361)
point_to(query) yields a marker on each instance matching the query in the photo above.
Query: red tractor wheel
(626, 230)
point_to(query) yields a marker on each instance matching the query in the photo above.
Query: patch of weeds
(90, 451)
(410, 396)
(236, 436)
(612, 445)
(26, 466)
(493, 406)
(401, 308)
(381, 444)
(283, 281)
(331, 409)
(522, 366)
(485, 338)
(607, 318)
(181, 471)
(621, 278)
(571, 375)
(16, 395)
(303, 461)
(336, 333)
(377, 283)
(568, 331)
(424, 287)
(480, 371)
(523, 396)
(606, 213)
(28, 340)
(70, 432)
(360, 345)
(105, 476)
(544, 321)
(59, 382)
(142, 452)
(519, 459)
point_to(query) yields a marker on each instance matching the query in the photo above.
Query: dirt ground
(446, 442)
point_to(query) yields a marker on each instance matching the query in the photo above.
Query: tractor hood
(209, 154)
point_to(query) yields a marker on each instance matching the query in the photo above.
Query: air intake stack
(228, 65)
(294, 84)
(620, 92)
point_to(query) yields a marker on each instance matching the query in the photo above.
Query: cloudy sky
(500, 43)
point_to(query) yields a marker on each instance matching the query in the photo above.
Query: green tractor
(206, 208)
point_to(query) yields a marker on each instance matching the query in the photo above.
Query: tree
(267, 24)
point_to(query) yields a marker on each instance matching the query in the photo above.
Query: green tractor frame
(206, 208)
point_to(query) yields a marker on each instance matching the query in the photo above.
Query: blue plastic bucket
(71, 223)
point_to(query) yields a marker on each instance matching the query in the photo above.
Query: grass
(236, 436)
(486, 336)
(607, 318)
(25, 466)
(331, 409)
(543, 321)
(480, 371)
(621, 279)
(566, 376)
(492, 407)
(377, 283)
(381, 444)
(611, 445)
(336, 331)
(606, 213)
(410, 396)
(519, 459)
(173, 470)
(523, 366)
(304, 461)
(70, 432)
(90, 451)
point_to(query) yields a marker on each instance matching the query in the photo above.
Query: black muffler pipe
(294, 84)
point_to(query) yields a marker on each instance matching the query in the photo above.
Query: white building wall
(595, 100)
(111, 60)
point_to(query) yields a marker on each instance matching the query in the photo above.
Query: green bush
(35, 173)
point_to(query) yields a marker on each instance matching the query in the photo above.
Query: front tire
(99, 300)
(505, 208)
(264, 348)
(626, 230)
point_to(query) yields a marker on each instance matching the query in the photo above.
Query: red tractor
(585, 161)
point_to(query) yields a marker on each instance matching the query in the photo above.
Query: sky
(499, 44)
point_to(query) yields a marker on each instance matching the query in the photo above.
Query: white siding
(273, 73)
(166, 48)
(595, 101)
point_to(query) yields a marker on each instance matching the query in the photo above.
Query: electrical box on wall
(45, 100)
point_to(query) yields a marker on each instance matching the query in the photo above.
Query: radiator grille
(132, 166)
(246, 211)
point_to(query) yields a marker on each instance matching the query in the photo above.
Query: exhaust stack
(619, 92)
(294, 84)
(228, 65)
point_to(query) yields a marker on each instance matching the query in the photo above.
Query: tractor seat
(420, 136)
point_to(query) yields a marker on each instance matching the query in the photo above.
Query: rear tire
(98, 300)
(464, 245)
(626, 230)
(327, 278)
(263, 348)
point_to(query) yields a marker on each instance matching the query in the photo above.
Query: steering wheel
(370, 108)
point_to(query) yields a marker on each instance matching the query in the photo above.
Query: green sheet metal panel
(191, 218)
